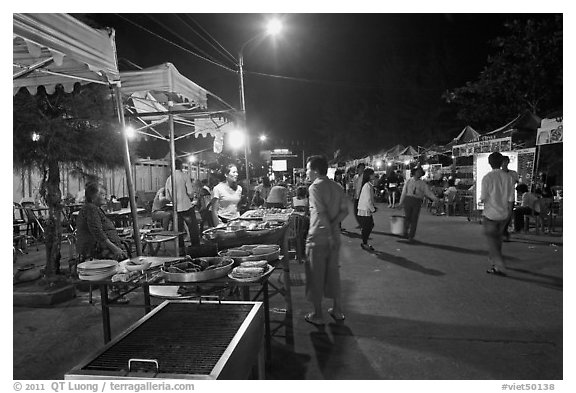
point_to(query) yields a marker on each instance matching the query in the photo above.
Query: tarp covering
(51, 49)
(165, 78)
(526, 120)
(466, 135)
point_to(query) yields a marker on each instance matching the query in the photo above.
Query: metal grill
(183, 339)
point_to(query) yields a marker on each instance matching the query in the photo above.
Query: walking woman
(413, 193)
(366, 207)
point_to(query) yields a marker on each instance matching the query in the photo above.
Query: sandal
(310, 318)
(336, 316)
(496, 272)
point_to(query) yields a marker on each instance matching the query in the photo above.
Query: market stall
(161, 95)
(57, 49)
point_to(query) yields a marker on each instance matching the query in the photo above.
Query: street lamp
(274, 27)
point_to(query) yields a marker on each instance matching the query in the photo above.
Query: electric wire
(181, 38)
(223, 52)
(175, 44)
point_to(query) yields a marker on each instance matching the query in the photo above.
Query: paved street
(413, 311)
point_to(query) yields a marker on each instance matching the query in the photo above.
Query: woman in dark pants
(413, 193)
(366, 207)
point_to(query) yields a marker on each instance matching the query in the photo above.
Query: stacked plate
(97, 269)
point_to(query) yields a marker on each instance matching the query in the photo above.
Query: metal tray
(205, 275)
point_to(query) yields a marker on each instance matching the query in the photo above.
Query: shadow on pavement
(406, 263)
(474, 345)
(338, 354)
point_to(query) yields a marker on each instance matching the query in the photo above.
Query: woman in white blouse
(413, 193)
(366, 207)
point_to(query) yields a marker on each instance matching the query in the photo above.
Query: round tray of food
(197, 269)
(252, 252)
(224, 233)
(250, 271)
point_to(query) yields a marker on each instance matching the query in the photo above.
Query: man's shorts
(494, 228)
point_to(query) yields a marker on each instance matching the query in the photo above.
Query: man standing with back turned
(328, 207)
(497, 194)
(186, 213)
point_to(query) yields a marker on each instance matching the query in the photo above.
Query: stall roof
(151, 88)
(51, 49)
(163, 78)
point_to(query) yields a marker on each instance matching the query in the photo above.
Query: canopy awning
(150, 90)
(163, 78)
(51, 49)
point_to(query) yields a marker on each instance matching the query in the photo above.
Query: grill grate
(184, 338)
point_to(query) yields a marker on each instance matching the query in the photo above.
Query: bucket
(397, 225)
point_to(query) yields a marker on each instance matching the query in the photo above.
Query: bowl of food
(137, 266)
(252, 252)
(197, 269)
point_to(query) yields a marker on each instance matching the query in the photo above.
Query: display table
(153, 277)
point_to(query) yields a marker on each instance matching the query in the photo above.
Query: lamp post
(273, 27)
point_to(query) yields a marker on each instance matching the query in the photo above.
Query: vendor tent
(160, 94)
(52, 49)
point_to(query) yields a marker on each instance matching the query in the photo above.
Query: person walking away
(226, 196)
(160, 212)
(413, 193)
(184, 206)
(328, 207)
(357, 187)
(497, 195)
(366, 207)
(394, 181)
(515, 179)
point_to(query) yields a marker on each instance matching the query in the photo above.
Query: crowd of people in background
(219, 199)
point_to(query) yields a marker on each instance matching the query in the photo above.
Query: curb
(39, 298)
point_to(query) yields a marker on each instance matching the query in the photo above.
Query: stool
(537, 222)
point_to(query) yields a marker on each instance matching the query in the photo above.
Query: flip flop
(310, 319)
(336, 316)
(496, 272)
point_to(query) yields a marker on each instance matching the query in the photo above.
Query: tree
(525, 73)
(77, 128)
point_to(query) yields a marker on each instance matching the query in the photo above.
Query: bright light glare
(236, 139)
(262, 138)
(274, 26)
(130, 132)
(389, 163)
(406, 162)
(35, 136)
(192, 158)
(378, 164)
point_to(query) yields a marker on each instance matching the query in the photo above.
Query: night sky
(355, 56)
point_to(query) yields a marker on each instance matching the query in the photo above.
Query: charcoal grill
(184, 339)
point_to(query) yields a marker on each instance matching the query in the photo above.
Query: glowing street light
(130, 132)
(237, 139)
(389, 163)
(274, 27)
(192, 158)
(262, 138)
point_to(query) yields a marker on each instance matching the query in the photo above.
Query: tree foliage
(524, 73)
(77, 129)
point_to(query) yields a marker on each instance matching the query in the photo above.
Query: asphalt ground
(421, 311)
